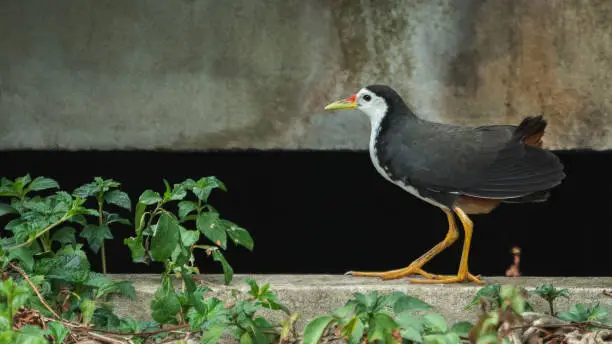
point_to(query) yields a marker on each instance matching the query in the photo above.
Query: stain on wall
(204, 74)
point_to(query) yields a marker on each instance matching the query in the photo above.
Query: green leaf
(228, 272)
(43, 183)
(69, 267)
(246, 338)
(166, 304)
(489, 293)
(577, 313)
(106, 286)
(24, 255)
(139, 217)
(30, 334)
(125, 288)
(149, 197)
(87, 190)
(353, 330)
(409, 303)
(104, 318)
(95, 235)
(180, 255)
(371, 299)
(209, 224)
(204, 186)
(240, 236)
(112, 218)
(313, 331)
(136, 248)
(57, 331)
(213, 334)
(194, 293)
(434, 323)
(6, 209)
(185, 208)
(254, 291)
(462, 328)
(380, 326)
(166, 237)
(80, 219)
(7, 336)
(357, 334)
(411, 334)
(188, 237)
(195, 318)
(178, 193)
(65, 235)
(598, 313)
(118, 198)
(16, 292)
(387, 299)
(411, 325)
(342, 311)
(87, 308)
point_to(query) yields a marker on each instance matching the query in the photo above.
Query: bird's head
(374, 101)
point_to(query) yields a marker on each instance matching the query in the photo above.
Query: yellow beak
(344, 104)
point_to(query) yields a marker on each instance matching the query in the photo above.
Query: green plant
(389, 318)
(550, 293)
(43, 223)
(13, 297)
(495, 324)
(582, 313)
(104, 191)
(161, 235)
(43, 249)
(490, 296)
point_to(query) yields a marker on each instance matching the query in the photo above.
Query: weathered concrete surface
(314, 295)
(205, 74)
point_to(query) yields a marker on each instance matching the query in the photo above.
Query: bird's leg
(463, 275)
(416, 265)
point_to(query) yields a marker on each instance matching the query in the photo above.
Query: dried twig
(25, 276)
(139, 334)
(576, 325)
(105, 339)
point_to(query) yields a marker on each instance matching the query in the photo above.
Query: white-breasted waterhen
(460, 169)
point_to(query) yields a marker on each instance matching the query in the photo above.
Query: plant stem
(153, 214)
(550, 305)
(102, 248)
(48, 228)
(46, 242)
(40, 297)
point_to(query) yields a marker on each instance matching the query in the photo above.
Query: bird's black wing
(488, 162)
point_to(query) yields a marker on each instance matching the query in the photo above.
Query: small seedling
(550, 294)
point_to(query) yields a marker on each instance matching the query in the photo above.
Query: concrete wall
(209, 74)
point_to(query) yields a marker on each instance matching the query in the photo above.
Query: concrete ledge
(314, 295)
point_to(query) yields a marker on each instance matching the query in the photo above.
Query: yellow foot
(394, 274)
(467, 277)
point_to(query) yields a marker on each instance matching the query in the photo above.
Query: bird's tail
(530, 130)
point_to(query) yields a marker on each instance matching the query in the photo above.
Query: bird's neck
(382, 121)
(385, 117)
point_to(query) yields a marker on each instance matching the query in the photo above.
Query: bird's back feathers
(500, 162)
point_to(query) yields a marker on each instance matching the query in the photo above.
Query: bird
(463, 170)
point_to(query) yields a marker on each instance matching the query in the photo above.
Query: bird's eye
(367, 98)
